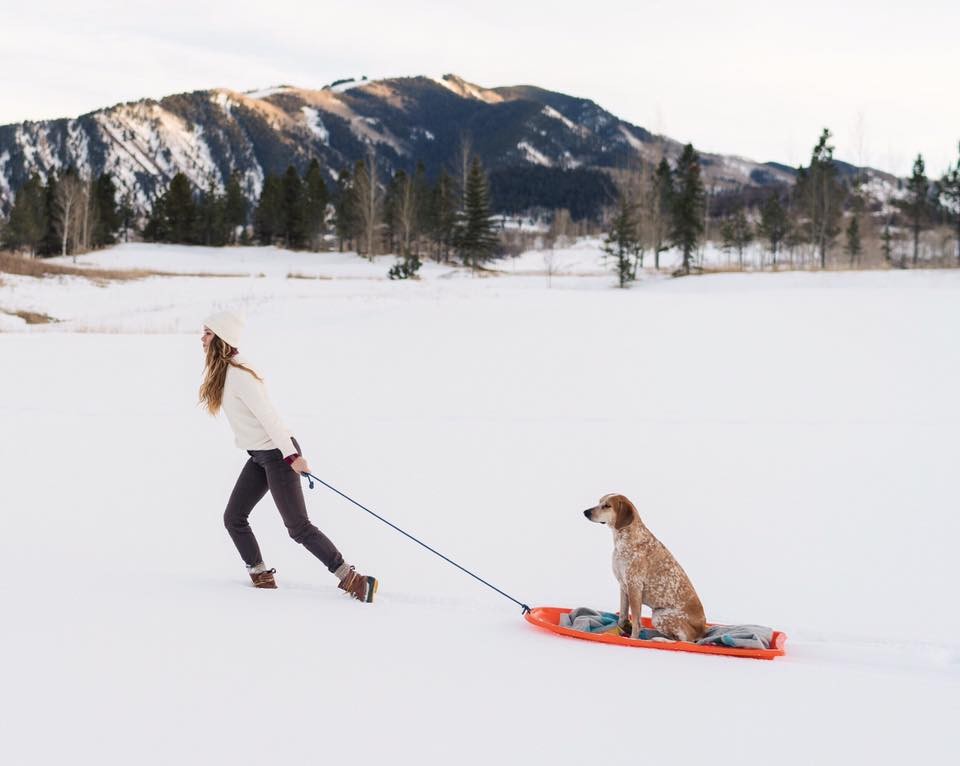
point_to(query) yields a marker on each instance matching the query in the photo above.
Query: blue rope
(310, 478)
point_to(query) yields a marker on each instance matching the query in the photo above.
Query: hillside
(210, 133)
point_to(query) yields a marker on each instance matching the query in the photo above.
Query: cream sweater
(255, 423)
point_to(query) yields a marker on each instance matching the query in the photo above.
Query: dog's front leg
(635, 597)
(624, 606)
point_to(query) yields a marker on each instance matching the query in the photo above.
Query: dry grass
(11, 263)
(33, 317)
(40, 267)
(298, 275)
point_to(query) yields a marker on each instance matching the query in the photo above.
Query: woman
(275, 461)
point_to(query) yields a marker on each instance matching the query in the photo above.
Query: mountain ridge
(207, 134)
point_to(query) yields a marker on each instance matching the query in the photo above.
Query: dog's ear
(624, 512)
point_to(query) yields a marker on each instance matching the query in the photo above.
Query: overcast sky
(758, 78)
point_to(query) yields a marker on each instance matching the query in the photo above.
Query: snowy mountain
(210, 133)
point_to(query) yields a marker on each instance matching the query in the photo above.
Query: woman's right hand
(300, 465)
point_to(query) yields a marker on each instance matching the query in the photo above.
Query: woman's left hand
(300, 465)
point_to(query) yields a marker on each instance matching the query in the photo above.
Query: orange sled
(548, 617)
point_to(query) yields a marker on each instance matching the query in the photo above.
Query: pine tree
(443, 215)
(51, 239)
(819, 196)
(421, 193)
(293, 209)
(662, 200)
(126, 215)
(315, 205)
(688, 206)
(736, 233)
(107, 214)
(623, 242)
(27, 227)
(234, 208)
(476, 239)
(211, 227)
(345, 221)
(268, 223)
(180, 210)
(155, 228)
(774, 224)
(886, 247)
(917, 204)
(391, 206)
(853, 239)
(950, 188)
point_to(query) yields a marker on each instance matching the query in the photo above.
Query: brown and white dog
(648, 574)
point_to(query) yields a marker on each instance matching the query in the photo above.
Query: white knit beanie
(227, 326)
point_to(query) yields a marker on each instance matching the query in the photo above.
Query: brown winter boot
(264, 579)
(361, 587)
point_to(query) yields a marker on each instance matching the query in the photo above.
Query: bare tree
(463, 158)
(67, 204)
(368, 198)
(658, 200)
(407, 213)
(558, 235)
(550, 263)
(86, 216)
(561, 227)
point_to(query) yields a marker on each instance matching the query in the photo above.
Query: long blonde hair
(219, 359)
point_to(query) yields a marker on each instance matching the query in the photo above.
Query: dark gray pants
(266, 469)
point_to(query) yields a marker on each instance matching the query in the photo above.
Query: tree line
(406, 213)
(824, 219)
(668, 206)
(65, 215)
(657, 211)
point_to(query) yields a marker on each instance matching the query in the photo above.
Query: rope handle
(311, 478)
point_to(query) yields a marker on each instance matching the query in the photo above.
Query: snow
(33, 138)
(147, 138)
(509, 222)
(6, 194)
(531, 154)
(416, 131)
(265, 92)
(343, 87)
(78, 147)
(223, 99)
(788, 436)
(467, 89)
(569, 162)
(549, 111)
(11, 322)
(634, 142)
(739, 166)
(583, 258)
(315, 124)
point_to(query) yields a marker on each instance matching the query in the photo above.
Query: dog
(648, 574)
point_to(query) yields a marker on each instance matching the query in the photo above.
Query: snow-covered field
(792, 438)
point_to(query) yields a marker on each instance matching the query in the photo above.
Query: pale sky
(757, 78)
